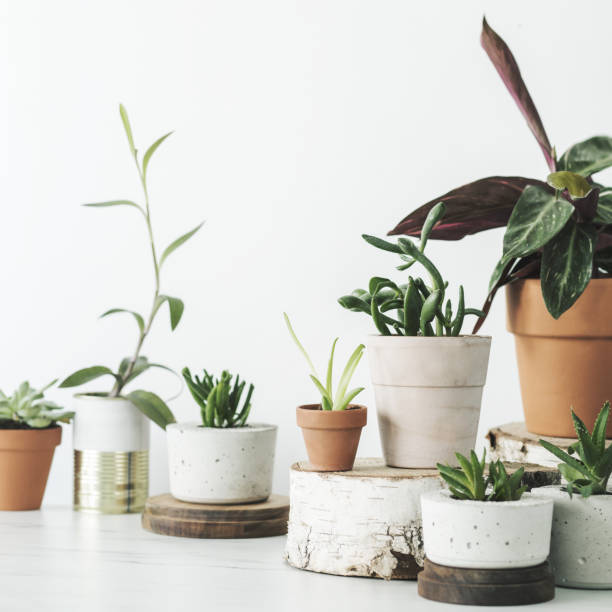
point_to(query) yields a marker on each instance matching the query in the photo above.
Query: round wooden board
(512, 442)
(168, 516)
(487, 587)
(367, 521)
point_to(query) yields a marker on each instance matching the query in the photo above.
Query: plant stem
(143, 334)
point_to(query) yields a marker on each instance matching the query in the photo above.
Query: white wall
(299, 126)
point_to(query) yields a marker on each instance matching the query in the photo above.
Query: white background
(298, 126)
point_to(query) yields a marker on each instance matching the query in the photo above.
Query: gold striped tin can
(111, 482)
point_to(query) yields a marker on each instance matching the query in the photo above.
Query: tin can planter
(562, 362)
(111, 455)
(486, 535)
(25, 461)
(221, 465)
(331, 436)
(428, 394)
(581, 549)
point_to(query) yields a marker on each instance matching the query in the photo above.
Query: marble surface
(58, 560)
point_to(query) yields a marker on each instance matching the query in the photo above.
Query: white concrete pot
(111, 455)
(221, 465)
(428, 393)
(581, 547)
(486, 535)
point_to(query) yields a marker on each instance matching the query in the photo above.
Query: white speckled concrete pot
(486, 535)
(581, 547)
(221, 465)
(428, 393)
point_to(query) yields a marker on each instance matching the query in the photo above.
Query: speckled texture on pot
(486, 535)
(581, 546)
(221, 465)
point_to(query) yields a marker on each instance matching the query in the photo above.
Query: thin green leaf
(153, 407)
(299, 344)
(115, 203)
(149, 152)
(127, 127)
(381, 244)
(80, 377)
(137, 317)
(568, 459)
(177, 243)
(330, 369)
(175, 306)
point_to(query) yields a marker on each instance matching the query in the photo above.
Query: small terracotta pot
(564, 362)
(25, 461)
(331, 436)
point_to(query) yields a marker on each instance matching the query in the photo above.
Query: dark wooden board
(168, 516)
(487, 587)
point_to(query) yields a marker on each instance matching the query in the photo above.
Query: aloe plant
(341, 399)
(558, 230)
(131, 367)
(589, 471)
(417, 305)
(218, 399)
(469, 481)
(27, 408)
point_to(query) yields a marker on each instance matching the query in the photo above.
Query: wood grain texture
(168, 516)
(482, 587)
(512, 442)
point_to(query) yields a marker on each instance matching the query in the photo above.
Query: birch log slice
(512, 442)
(366, 522)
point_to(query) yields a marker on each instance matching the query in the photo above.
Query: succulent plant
(589, 472)
(27, 408)
(469, 481)
(343, 396)
(417, 306)
(218, 399)
(558, 230)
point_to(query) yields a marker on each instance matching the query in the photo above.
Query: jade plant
(341, 399)
(558, 229)
(131, 367)
(219, 399)
(469, 480)
(588, 464)
(419, 307)
(27, 408)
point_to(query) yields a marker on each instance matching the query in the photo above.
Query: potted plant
(111, 428)
(29, 433)
(485, 523)
(427, 377)
(223, 459)
(581, 549)
(331, 428)
(556, 263)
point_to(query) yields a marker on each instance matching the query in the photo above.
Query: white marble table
(58, 560)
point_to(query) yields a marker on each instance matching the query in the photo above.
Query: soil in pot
(331, 436)
(562, 362)
(25, 461)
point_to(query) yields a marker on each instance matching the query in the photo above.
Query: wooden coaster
(487, 587)
(168, 516)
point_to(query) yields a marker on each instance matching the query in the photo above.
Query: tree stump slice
(165, 515)
(487, 587)
(366, 522)
(512, 442)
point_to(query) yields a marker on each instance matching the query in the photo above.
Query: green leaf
(536, 218)
(378, 283)
(176, 307)
(412, 309)
(381, 244)
(567, 266)
(128, 129)
(330, 369)
(599, 429)
(347, 374)
(153, 407)
(149, 152)
(589, 452)
(139, 319)
(604, 207)
(178, 242)
(80, 377)
(115, 203)
(576, 184)
(567, 459)
(299, 344)
(434, 215)
(589, 156)
(354, 303)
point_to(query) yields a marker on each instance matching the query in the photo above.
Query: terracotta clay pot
(331, 436)
(25, 461)
(564, 362)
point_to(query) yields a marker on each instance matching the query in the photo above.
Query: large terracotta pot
(25, 461)
(428, 393)
(331, 436)
(565, 362)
